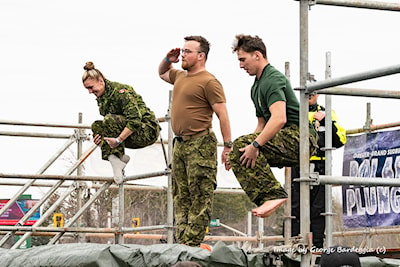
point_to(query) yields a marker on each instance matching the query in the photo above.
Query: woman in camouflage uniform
(128, 122)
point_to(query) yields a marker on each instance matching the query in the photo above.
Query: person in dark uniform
(316, 116)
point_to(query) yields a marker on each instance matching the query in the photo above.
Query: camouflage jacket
(121, 99)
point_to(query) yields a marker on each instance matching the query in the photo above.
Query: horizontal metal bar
(360, 92)
(10, 182)
(27, 134)
(126, 186)
(147, 175)
(81, 229)
(361, 4)
(350, 180)
(372, 128)
(81, 177)
(56, 177)
(107, 233)
(388, 6)
(44, 124)
(315, 86)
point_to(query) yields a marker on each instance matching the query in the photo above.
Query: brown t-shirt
(192, 99)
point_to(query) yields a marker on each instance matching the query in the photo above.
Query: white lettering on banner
(393, 151)
(374, 199)
(376, 153)
(372, 155)
(368, 168)
(378, 200)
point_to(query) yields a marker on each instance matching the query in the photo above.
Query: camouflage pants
(194, 178)
(112, 126)
(259, 182)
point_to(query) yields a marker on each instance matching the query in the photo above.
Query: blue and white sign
(371, 155)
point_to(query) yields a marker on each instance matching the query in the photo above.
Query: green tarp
(89, 254)
(160, 255)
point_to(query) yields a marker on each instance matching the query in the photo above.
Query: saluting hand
(173, 55)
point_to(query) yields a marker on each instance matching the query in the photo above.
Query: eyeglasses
(187, 51)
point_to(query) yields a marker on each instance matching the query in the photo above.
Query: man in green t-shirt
(275, 142)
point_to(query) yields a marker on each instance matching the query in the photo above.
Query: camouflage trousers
(194, 179)
(259, 182)
(112, 126)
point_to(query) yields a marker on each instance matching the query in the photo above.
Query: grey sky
(44, 45)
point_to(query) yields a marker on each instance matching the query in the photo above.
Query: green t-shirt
(273, 86)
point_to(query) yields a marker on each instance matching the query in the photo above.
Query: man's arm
(275, 123)
(270, 129)
(222, 114)
(166, 64)
(260, 124)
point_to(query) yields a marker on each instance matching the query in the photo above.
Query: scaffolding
(329, 87)
(324, 87)
(79, 137)
(55, 182)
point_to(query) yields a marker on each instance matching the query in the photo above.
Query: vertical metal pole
(121, 214)
(249, 223)
(79, 173)
(304, 133)
(287, 233)
(109, 216)
(368, 120)
(288, 185)
(260, 231)
(328, 157)
(170, 202)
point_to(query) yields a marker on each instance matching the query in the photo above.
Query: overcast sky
(45, 44)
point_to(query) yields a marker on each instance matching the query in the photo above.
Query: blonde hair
(91, 72)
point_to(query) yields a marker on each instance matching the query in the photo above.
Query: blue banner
(371, 155)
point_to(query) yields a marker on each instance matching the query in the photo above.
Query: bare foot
(268, 207)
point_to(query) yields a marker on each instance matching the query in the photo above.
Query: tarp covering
(160, 255)
(365, 261)
(89, 254)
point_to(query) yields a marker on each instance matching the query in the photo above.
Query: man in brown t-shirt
(197, 94)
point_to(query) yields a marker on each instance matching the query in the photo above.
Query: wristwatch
(228, 144)
(256, 144)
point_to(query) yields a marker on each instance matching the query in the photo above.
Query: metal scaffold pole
(328, 156)
(304, 136)
(170, 207)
